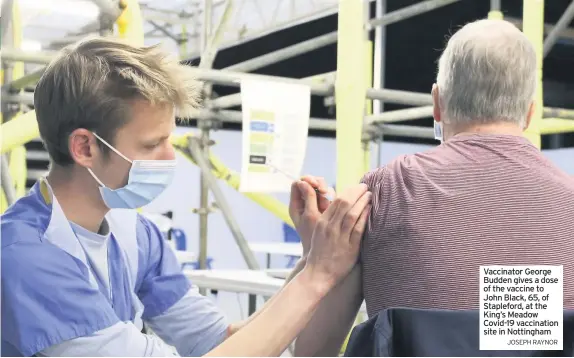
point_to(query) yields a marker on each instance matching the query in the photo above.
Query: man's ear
(435, 103)
(529, 115)
(83, 147)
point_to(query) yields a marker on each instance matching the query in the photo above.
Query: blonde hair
(90, 85)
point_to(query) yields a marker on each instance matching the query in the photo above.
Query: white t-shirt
(96, 248)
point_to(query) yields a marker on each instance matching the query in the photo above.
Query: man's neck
(79, 197)
(499, 128)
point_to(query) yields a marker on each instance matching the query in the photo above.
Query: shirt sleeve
(194, 325)
(47, 298)
(120, 340)
(160, 282)
(174, 309)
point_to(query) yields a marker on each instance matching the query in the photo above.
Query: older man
(485, 196)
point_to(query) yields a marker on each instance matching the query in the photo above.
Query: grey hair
(487, 73)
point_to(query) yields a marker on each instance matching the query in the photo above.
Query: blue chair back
(404, 332)
(178, 235)
(290, 234)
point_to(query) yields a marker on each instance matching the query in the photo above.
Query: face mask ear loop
(95, 177)
(112, 148)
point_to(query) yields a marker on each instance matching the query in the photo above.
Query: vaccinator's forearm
(275, 327)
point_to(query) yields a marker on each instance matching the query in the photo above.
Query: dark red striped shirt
(474, 200)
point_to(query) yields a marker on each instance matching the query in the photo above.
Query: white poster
(275, 126)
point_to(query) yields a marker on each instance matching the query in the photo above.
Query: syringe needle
(292, 177)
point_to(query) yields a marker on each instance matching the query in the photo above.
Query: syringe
(292, 177)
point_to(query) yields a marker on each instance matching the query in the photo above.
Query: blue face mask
(147, 180)
(438, 133)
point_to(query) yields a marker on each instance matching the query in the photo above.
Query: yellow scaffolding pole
(495, 15)
(183, 52)
(19, 170)
(350, 92)
(369, 103)
(556, 126)
(533, 28)
(130, 22)
(17, 154)
(18, 131)
(354, 76)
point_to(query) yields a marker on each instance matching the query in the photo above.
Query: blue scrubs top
(50, 294)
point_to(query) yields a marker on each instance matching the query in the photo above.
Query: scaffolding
(357, 88)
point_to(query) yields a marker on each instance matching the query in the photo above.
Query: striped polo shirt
(474, 200)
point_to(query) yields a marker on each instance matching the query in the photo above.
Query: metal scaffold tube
(230, 78)
(12, 54)
(400, 97)
(410, 11)
(324, 124)
(199, 148)
(23, 98)
(379, 55)
(401, 115)
(402, 130)
(494, 5)
(5, 20)
(427, 111)
(533, 28)
(233, 100)
(109, 11)
(558, 113)
(26, 80)
(210, 43)
(425, 99)
(222, 203)
(561, 25)
(203, 211)
(285, 53)
(206, 28)
(109, 8)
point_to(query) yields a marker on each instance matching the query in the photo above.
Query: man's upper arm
(173, 308)
(47, 298)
